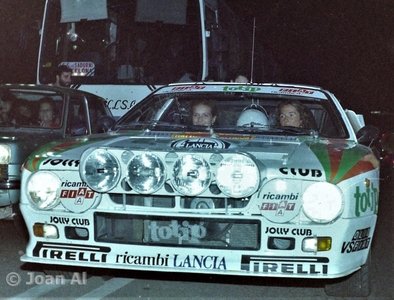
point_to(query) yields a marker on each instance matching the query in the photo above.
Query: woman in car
(295, 114)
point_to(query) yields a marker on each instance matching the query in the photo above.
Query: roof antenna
(253, 40)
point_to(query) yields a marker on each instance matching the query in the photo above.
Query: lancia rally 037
(209, 178)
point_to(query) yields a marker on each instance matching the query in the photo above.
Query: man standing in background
(63, 76)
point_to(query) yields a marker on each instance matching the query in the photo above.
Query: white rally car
(242, 195)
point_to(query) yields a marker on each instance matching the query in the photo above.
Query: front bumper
(179, 243)
(9, 192)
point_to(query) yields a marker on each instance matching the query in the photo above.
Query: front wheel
(19, 223)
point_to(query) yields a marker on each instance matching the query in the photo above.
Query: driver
(204, 113)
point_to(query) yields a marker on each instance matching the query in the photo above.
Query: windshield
(122, 41)
(24, 108)
(236, 113)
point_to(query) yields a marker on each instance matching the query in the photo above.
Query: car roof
(48, 88)
(267, 88)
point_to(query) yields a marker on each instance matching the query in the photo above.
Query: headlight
(100, 170)
(146, 173)
(322, 202)
(43, 189)
(238, 176)
(192, 175)
(5, 154)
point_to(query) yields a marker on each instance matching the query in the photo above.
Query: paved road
(19, 280)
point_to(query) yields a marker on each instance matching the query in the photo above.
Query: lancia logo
(204, 143)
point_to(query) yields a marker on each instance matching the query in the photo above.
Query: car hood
(299, 157)
(23, 142)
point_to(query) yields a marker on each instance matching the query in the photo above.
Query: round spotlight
(191, 175)
(43, 189)
(322, 202)
(100, 170)
(146, 173)
(238, 176)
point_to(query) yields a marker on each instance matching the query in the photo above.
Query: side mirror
(367, 135)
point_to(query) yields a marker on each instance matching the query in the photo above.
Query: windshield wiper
(153, 125)
(132, 125)
(295, 130)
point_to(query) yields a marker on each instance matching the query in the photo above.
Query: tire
(357, 284)
(19, 223)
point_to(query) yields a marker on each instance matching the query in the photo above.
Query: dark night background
(346, 47)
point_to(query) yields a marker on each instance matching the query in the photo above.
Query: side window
(77, 117)
(97, 110)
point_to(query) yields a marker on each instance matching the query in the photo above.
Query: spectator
(24, 113)
(46, 113)
(63, 76)
(204, 113)
(6, 102)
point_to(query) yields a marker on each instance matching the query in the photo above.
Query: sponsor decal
(188, 88)
(79, 195)
(366, 200)
(67, 220)
(81, 68)
(285, 265)
(61, 162)
(179, 261)
(243, 137)
(295, 91)
(74, 252)
(37, 157)
(142, 260)
(200, 262)
(301, 172)
(286, 231)
(241, 88)
(340, 161)
(279, 202)
(271, 196)
(360, 241)
(197, 232)
(184, 231)
(73, 184)
(79, 200)
(120, 104)
(280, 207)
(204, 143)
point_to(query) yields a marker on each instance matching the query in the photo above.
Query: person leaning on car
(295, 114)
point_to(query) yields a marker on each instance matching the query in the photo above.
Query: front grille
(233, 234)
(169, 201)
